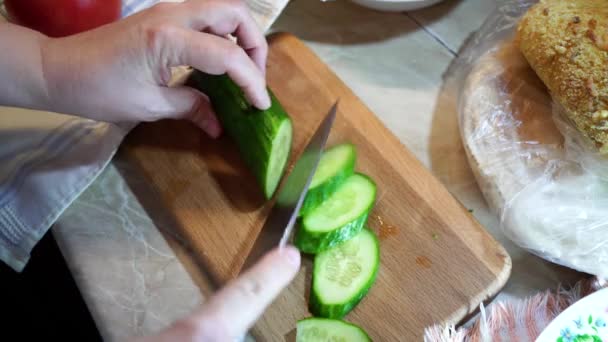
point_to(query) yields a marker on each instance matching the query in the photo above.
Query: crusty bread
(566, 43)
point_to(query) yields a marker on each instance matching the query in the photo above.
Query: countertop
(127, 265)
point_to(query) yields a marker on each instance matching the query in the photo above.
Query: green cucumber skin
(316, 242)
(338, 311)
(317, 195)
(351, 325)
(250, 128)
(313, 243)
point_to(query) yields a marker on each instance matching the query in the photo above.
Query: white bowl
(396, 5)
(585, 320)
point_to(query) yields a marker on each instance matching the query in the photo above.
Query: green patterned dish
(584, 321)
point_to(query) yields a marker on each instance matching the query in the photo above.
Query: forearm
(22, 76)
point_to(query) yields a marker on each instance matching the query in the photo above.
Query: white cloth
(47, 160)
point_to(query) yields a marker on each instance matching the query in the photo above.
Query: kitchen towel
(48, 159)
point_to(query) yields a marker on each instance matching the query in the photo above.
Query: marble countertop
(128, 266)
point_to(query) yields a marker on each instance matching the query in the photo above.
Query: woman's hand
(119, 72)
(228, 315)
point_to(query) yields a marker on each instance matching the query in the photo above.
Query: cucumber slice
(343, 275)
(263, 137)
(338, 218)
(323, 330)
(335, 166)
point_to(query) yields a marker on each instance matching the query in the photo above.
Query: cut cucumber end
(263, 137)
(279, 153)
(343, 275)
(322, 330)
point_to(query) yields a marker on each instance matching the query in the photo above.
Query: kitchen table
(131, 269)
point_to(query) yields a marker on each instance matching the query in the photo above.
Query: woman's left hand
(120, 71)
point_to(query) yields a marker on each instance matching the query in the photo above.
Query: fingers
(257, 51)
(236, 307)
(188, 103)
(230, 17)
(215, 55)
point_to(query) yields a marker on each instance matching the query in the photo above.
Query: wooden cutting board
(437, 263)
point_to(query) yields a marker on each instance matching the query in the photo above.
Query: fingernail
(211, 127)
(215, 130)
(293, 255)
(266, 101)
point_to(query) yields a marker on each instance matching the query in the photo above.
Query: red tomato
(57, 18)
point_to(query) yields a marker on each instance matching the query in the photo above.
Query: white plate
(584, 321)
(396, 5)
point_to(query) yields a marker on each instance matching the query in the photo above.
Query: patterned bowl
(584, 321)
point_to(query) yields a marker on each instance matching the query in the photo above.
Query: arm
(119, 72)
(23, 83)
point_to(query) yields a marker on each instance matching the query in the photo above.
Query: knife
(279, 225)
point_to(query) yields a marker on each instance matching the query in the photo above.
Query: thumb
(231, 311)
(190, 104)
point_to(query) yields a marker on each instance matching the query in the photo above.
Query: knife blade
(279, 225)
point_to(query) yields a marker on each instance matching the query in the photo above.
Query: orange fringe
(513, 321)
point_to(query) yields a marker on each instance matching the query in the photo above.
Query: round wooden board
(517, 152)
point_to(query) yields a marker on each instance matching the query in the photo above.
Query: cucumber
(338, 218)
(335, 166)
(329, 330)
(343, 275)
(263, 137)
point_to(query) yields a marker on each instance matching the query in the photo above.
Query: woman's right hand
(230, 313)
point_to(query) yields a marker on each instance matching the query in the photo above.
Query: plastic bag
(548, 185)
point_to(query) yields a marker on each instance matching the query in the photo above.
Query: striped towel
(47, 159)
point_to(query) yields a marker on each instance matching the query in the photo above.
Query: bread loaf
(566, 43)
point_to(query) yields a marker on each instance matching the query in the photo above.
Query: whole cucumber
(263, 137)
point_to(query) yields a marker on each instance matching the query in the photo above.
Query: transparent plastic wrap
(546, 182)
